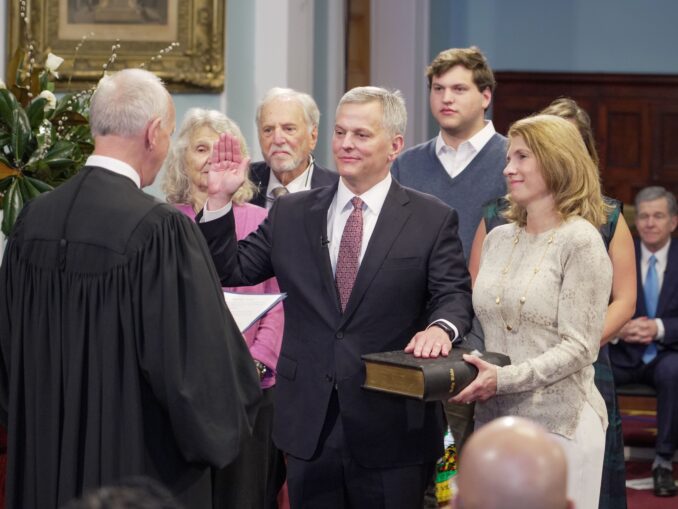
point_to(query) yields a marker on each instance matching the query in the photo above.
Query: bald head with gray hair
(125, 102)
(308, 105)
(394, 113)
(512, 463)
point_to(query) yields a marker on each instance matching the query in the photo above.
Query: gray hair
(656, 192)
(177, 184)
(392, 105)
(308, 105)
(125, 102)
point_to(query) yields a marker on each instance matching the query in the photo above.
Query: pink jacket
(264, 338)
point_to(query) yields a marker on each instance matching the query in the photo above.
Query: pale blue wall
(609, 36)
(616, 36)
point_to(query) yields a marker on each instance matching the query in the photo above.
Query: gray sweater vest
(481, 181)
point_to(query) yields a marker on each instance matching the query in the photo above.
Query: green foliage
(43, 142)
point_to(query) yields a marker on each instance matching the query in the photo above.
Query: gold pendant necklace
(523, 296)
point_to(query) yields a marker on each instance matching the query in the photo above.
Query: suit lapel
(392, 218)
(670, 282)
(316, 231)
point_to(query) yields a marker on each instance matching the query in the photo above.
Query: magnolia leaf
(63, 103)
(70, 118)
(41, 186)
(6, 171)
(3, 159)
(5, 183)
(12, 204)
(28, 190)
(8, 104)
(21, 135)
(62, 149)
(59, 163)
(36, 112)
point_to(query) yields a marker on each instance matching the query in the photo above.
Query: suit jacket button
(339, 335)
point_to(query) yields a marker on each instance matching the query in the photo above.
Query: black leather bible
(441, 378)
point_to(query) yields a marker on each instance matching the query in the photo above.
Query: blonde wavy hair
(566, 166)
(177, 183)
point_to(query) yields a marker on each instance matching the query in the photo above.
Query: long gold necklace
(523, 296)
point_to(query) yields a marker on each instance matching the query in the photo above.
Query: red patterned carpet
(640, 429)
(644, 499)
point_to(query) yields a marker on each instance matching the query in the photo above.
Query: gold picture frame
(144, 29)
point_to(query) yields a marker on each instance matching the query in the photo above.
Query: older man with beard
(287, 122)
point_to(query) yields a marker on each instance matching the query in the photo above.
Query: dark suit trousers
(332, 479)
(662, 374)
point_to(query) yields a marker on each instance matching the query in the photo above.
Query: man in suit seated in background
(512, 463)
(647, 350)
(287, 122)
(368, 266)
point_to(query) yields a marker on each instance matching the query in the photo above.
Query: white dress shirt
(301, 183)
(341, 208)
(455, 161)
(116, 166)
(662, 256)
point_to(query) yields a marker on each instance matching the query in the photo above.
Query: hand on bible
(483, 387)
(227, 170)
(431, 342)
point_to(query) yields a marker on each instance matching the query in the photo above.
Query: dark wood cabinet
(634, 117)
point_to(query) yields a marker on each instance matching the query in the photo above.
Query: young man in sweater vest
(462, 165)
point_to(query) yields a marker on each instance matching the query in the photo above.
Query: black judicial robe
(118, 356)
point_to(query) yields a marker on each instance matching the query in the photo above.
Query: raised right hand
(227, 170)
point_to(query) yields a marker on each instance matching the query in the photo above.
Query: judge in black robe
(118, 356)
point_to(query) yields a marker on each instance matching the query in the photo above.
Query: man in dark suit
(287, 122)
(368, 266)
(648, 348)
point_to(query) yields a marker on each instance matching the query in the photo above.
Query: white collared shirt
(301, 183)
(662, 256)
(116, 166)
(341, 207)
(456, 161)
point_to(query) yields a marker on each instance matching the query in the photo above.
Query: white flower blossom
(2, 85)
(51, 99)
(52, 64)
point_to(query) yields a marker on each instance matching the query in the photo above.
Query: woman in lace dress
(541, 295)
(617, 238)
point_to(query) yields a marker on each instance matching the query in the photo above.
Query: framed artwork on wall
(181, 41)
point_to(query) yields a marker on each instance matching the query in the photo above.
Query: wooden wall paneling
(634, 117)
(358, 44)
(624, 146)
(665, 148)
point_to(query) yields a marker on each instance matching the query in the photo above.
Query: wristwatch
(446, 328)
(262, 369)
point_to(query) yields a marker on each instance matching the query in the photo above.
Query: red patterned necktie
(349, 252)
